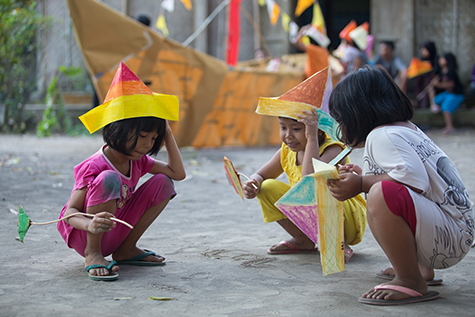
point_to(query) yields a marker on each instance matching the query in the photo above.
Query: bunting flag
(418, 67)
(274, 11)
(317, 20)
(285, 22)
(187, 4)
(293, 30)
(162, 25)
(262, 3)
(234, 32)
(302, 5)
(168, 5)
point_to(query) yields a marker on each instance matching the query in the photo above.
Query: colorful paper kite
(311, 207)
(24, 222)
(129, 97)
(418, 67)
(233, 177)
(311, 93)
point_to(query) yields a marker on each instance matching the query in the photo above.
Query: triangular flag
(360, 36)
(302, 5)
(187, 4)
(168, 5)
(293, 30)
(162, 25)
(418, 67)
(285, 22)
(318, 21)
(344, 34)
(262, 3)
(274, 11)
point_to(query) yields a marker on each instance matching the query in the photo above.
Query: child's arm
(349, 185)
(272, 169)
(99, 224)
(312, 149)
(174, 168)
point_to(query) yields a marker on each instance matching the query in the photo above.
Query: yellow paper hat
(312, 93)
(128, 97)
(305, 96)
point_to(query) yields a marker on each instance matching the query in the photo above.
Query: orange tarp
(217, 105)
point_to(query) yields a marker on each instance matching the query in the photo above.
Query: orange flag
(418, 67)
(187, 4)
(302, 5)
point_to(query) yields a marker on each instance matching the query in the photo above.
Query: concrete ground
(214, 243)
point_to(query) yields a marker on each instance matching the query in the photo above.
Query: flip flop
(291, 249)
(111, 277)
(416, 297)
(433, 282)
(138, 260)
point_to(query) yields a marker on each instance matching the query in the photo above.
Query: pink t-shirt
(87, 171)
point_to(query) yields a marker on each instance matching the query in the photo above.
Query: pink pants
(151, 193)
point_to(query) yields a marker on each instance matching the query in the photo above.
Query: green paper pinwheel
(24, 222)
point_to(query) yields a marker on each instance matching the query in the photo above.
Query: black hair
(451, 61)
(365, 99)
(117, 134)
(430, 47)
(390, 44)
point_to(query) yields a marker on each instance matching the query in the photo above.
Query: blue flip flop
(111, 277)
(138, 260)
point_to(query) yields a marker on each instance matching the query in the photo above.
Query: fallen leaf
(122, 298)
(161, 298)
(13, 211)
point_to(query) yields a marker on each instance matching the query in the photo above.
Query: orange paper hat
(128, 97)
(312, 93)
(359, 36)
(418, 67)
(345, 33)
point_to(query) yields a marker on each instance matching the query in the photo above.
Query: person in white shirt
(417, 206)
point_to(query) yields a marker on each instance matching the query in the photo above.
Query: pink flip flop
(415, 296)
(290, 249)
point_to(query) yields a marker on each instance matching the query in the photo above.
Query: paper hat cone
(344, 34)
(128, 97)
(311, 93)
(360, 35)
(418, 67)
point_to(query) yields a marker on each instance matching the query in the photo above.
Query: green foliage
(19, 23)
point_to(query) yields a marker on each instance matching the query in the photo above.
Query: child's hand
(101, 223)
(310, 119)
(350, 168)
(348, 186)
(251, 191)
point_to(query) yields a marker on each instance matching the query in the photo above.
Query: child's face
(442, 62)
(425, 52)
(292, 133)
(145, 143)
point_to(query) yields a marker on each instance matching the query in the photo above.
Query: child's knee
(374, 198)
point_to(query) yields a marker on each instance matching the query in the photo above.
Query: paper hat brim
(131, 106)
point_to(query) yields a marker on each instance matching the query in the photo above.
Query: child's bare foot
(124, 255)
(348, 254)
(427, 273)
(96, 258)
(394, 294)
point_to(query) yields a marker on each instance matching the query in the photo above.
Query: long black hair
(117, 134)
(366, 99)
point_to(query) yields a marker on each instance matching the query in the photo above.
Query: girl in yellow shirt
(302, 141)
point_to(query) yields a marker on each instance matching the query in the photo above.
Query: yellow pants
(354, 209)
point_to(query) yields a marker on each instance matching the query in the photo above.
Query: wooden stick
(253, 185)
(79, 214)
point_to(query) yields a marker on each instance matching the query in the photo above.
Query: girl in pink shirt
(106, 186)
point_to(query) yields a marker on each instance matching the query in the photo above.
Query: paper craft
(311, 207)
(344, 34)
(360, 36)
(312, 93)
(418, 67)
(233, 177)
(129, 97)
(24, 222)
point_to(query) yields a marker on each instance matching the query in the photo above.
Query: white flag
(168, 5)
